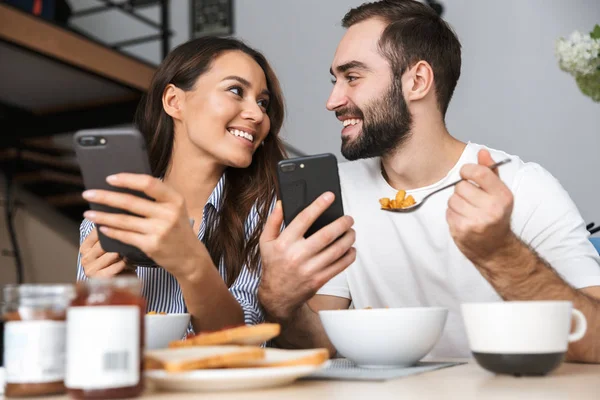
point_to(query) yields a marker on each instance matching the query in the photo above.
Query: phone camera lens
(288, 167)
(88, 141)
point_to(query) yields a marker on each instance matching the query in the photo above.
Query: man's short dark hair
(415, 32)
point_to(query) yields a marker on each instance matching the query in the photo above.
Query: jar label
(103, 347)
(34, 351)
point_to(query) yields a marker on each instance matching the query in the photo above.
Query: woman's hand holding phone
(98, 263)
(160, 228)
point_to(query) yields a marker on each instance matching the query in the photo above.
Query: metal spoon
(419, 204)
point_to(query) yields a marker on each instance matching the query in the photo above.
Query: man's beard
(386, 125)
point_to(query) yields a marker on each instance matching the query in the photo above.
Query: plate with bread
(229, 359)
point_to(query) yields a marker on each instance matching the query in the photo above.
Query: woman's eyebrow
(245, 83)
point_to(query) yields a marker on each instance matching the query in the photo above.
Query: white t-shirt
(410, 260)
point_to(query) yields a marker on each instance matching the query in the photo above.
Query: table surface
(570, 380)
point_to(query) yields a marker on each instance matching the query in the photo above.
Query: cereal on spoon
(400, 201)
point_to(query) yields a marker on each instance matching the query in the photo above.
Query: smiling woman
(211, 119)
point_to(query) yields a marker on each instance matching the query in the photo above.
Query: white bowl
(384, 337)
(161, 329)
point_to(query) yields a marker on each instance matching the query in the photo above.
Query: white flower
(579, 54)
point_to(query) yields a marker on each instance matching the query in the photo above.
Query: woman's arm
(161, 230)
(206, 295)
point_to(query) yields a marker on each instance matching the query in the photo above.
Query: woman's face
(225, 114)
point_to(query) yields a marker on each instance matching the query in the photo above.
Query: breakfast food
(156, 313)
(185, 359)
(233, 347)
(242, 335)
(205, 357)
(399, 201)
(285, 358)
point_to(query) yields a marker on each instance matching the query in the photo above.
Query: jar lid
(119, 281)
(39, 294)
(128, 283)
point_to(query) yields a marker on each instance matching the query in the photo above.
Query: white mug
(522, 337)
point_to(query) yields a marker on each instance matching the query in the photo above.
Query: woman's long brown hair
(244, 187)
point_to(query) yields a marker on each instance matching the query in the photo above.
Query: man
(506, 234)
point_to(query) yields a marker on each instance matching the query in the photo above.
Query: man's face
(365, 98)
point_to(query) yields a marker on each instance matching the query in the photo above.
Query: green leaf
(590, 85)
(595, 34)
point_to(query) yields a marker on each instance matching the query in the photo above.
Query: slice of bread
(248, 335)
(284, 358)
(201, 357)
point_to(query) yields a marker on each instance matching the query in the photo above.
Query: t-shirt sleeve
(547, 219)
(337, 286)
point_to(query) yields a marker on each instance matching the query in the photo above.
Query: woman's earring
(262, 143)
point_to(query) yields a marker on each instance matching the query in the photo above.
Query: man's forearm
(517, 272)
(303, 330)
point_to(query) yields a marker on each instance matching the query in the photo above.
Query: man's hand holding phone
(294, 268)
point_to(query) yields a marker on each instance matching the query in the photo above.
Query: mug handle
(580, 326)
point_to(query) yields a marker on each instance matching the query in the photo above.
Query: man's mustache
(352, 111)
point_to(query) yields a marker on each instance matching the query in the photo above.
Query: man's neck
(424, 159)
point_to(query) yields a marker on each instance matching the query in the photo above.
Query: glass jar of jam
(105, 339)
(34, 338)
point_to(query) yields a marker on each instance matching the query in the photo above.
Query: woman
(211, 119)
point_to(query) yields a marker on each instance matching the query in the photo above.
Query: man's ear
(419, 81)
(172, 101)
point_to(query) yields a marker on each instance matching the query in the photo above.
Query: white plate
(228, 379)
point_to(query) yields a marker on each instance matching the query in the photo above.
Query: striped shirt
(160, 288)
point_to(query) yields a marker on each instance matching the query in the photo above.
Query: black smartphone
(302, 180)
(104, 152)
